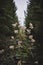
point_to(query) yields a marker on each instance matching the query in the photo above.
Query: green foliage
(7, 17)
(15, 44)
(35, 16)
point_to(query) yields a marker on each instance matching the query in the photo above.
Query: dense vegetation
(35, 16)
(21, 45)
(8, 19)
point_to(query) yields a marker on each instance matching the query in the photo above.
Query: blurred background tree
(35, 16)
(8, 25)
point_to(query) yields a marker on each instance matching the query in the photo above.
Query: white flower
(1, 51)
(19, 62)
(30, 36)
(29, 31)
(12, 37)
(31, 26)
(19, 42)
(33, 40)
(11, 47)
(15, 31)
(14, 25)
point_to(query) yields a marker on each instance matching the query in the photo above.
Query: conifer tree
(8, 25)
(35, 16)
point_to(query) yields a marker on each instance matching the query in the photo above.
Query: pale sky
(21, 6)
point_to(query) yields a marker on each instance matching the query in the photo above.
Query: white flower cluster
(32, 40)
(14, 25)
(19, 43)
(30, 36)
(12, 37)
(15, 31)
(1, 51)
(11, 47)
(19, 62)
(31, 26)
(29, 31)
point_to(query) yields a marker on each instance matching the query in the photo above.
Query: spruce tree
(34, 15)
(8, 18)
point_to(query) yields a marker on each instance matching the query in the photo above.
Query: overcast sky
(21, 6)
